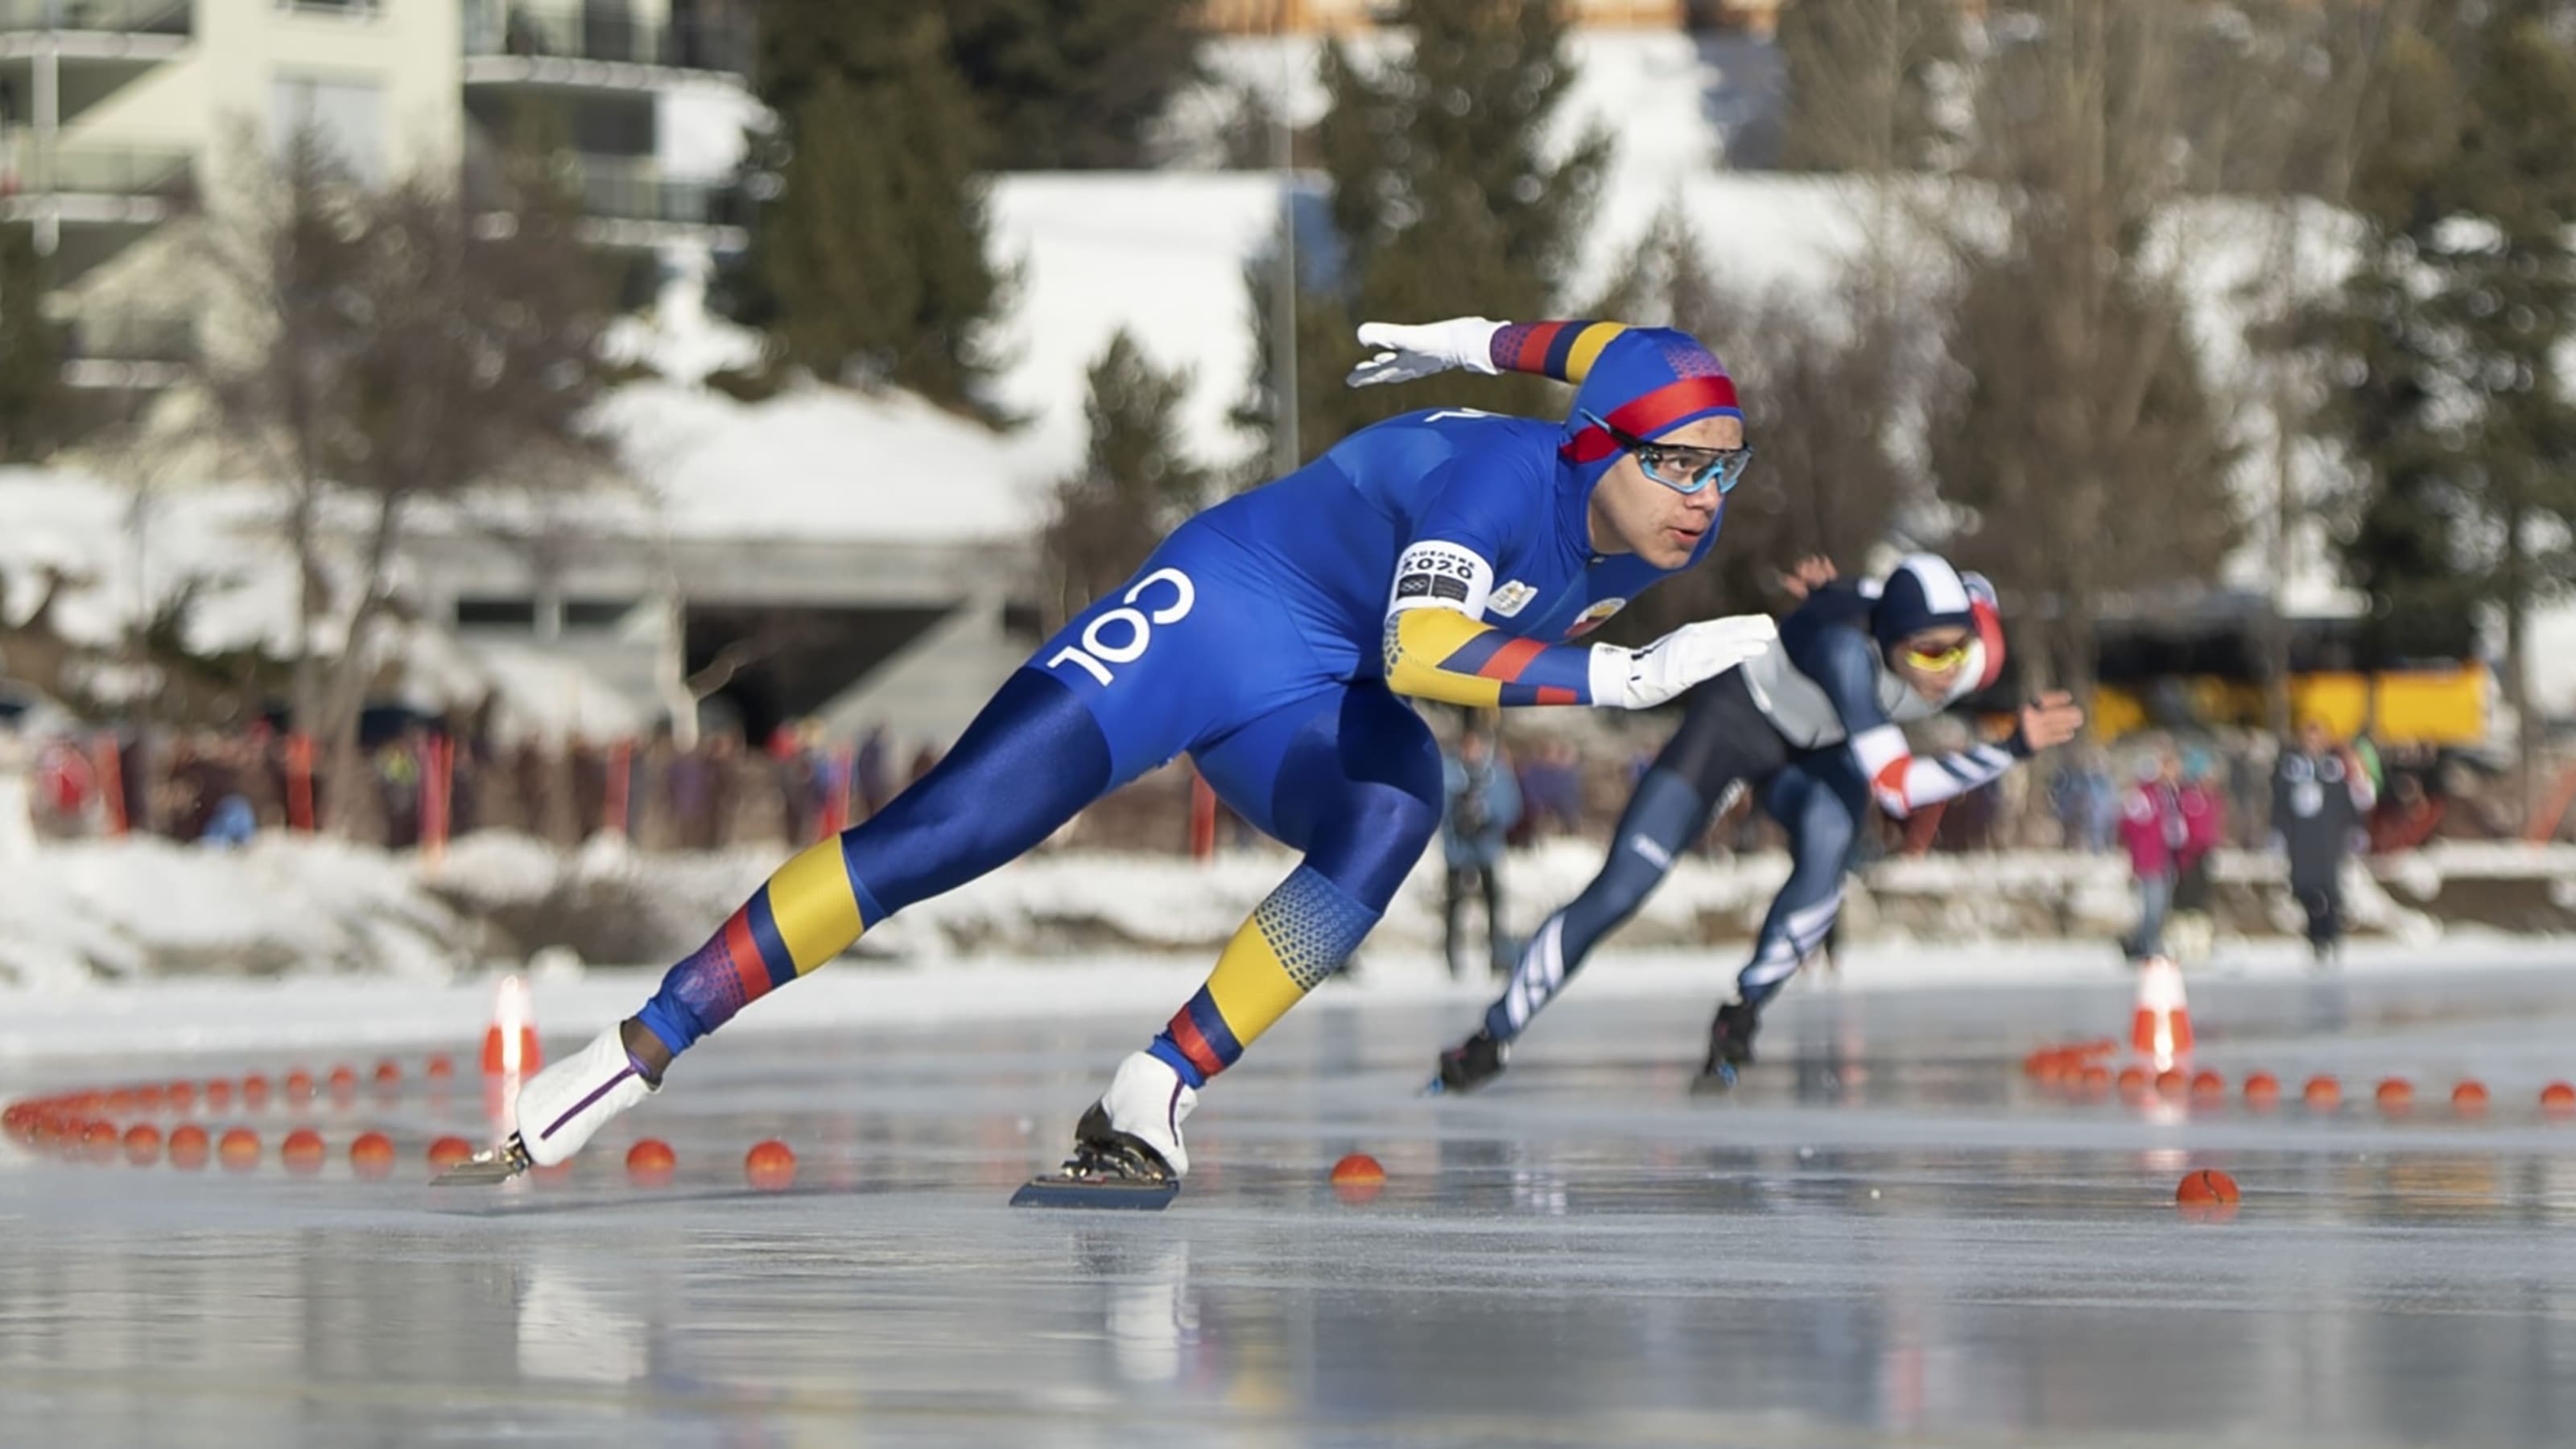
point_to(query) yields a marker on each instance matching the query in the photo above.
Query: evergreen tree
(1136, 484)
(1446, 201)
(869, 264)
(1073, 84)
(32, 394)
(2449, 338)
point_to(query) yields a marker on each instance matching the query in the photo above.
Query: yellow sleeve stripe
(1587, 348)
(1418, 640)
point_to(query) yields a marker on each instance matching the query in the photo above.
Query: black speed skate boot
(1730, 1046)
(1470, 1064)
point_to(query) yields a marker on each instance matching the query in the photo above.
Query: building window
(353, 9)
(596, 613)
(347, 115)
(485, 612)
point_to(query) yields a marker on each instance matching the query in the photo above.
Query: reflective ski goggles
(1682, 469)
(1936, 661)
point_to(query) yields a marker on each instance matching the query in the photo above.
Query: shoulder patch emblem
(1511, 598)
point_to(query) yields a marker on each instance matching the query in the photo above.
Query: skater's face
(1632, 513)
(1929, 662)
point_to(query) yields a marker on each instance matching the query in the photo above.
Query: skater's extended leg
(1033, 757)
(1026, 764)
(1353, 779)
(1665, 814)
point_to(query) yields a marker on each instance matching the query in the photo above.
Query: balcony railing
(88, 170)
(623, 190)
(121, 17)
(605, 33)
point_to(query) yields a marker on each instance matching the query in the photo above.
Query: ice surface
(1888, 1235)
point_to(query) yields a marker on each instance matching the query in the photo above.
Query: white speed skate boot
(1127, 1148)
(560, 1108)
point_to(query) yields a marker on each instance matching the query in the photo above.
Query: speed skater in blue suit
(1278, 639)
(1813, 729)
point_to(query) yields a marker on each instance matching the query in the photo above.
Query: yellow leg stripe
(1250, 987)
(816, 911)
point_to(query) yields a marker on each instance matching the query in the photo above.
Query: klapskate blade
(1056, 1191)
(483, 1169)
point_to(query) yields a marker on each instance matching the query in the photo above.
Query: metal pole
(49, 216)
(1285, 454)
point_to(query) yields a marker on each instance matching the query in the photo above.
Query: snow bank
(136, 909)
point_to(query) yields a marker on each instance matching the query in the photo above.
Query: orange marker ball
(2262, 1089)
(440, 1068)
(446, 1152)
(299, 1084)
(770, 1166)
(2323, 1093)
(344, 1080)
(2096, 1079)
(188, 1147)
(2208, 1085)
(302, 1152)
(2396, 1094)
(143, 1144)
(2172, 1082)
(2469, 1099)
(219, 1095)
(254, 1090)
(239, 1149)
(99, 1141)
(1358, 1178)
(181, 1096)
(371, 1156)
(2558, 1099)
(122, 1101)
(388, 1072)
(2208, 1196)
(651, 1162)
(2206, 1186)
(2133, 1083)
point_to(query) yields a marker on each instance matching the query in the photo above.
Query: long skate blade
(483, 1169)
(1057, 1190)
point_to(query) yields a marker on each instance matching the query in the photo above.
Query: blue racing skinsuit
(1443, 554)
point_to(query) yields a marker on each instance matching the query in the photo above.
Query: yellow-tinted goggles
(1936, 661)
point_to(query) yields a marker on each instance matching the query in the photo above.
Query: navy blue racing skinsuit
(1812, 729)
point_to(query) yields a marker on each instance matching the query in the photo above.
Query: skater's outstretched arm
(1844, 663)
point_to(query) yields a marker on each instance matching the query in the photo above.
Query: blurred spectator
(2321, 797)
(875, 786)
(2081, 797)
(2406, 816)
(2201, 796)
(2154, 829)
(1483, 803)
(1552, 790)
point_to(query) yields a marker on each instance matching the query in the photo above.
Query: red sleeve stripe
(1890, 781)
(1510, 660)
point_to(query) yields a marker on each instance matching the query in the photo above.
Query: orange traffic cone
(510, 1043)
(2162, 1027)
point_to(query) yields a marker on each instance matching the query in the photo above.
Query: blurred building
(120, 119)
(1312, 17)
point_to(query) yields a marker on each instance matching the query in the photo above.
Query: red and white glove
(1643, 678)
(1406, 352)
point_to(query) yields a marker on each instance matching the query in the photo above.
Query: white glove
(1642, 678)
(1408, 352)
